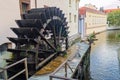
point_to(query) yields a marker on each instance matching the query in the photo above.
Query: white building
(69, 7)
(9, 13)
(11, 10)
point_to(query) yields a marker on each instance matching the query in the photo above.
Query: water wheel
(42, 34)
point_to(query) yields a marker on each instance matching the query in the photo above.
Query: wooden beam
(48, 42)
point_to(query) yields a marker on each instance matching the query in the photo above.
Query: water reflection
(114, 36)
(119, 58)
(104, 57)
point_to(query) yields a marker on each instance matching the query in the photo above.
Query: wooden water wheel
(41, 36)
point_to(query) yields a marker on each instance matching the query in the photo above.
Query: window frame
(21, 2)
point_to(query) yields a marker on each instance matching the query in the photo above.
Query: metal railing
(82, 66)
(83, 69)
(65, 65)
(5, 74)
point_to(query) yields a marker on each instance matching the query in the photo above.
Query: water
(105, 56)
(4, 55)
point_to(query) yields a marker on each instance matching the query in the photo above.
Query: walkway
(76, 52)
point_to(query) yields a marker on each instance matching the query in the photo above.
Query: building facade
(91, 20)
(11, 10)
(69, 8)
(17, 7)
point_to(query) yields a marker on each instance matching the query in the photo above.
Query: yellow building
(92, 21)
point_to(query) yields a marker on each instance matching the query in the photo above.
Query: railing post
(26, 69)
(50, 77)
(5, 75)
(66, 69)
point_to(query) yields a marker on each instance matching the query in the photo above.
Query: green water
(4, 55)
(105, 56)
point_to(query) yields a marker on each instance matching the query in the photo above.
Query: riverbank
(113, 28)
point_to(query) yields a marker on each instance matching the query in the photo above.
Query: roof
(83, 10)
(110, 10)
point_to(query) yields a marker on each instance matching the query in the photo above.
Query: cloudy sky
(101, 3)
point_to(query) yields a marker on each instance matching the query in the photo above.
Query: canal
(105, 56)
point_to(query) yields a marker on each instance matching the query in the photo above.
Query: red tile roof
(83, 10)
(110, 10)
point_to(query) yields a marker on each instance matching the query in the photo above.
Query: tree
(114, 18)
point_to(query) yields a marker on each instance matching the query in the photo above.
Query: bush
(114, 18)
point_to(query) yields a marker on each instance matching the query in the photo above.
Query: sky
(101, 3)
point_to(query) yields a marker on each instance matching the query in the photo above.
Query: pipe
(35, 3)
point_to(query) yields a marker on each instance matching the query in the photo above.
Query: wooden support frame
(25, 70)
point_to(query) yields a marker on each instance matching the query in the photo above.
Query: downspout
(35, 3)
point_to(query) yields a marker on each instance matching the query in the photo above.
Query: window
(74, 18)
(24, 6)
(69, 3)
(69, 17)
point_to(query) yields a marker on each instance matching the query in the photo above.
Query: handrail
(65, 63)
(58, 77)
(4, 70)
(80, 66)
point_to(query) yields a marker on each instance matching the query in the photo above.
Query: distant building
(90, 6)
(91, 20)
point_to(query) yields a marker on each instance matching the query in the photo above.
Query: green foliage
(91, 36)
(114, 18)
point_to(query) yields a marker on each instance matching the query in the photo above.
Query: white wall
(63, 5)
(32, 3)
(9, 13)
(73, 25)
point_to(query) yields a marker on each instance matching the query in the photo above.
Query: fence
(5, 74)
